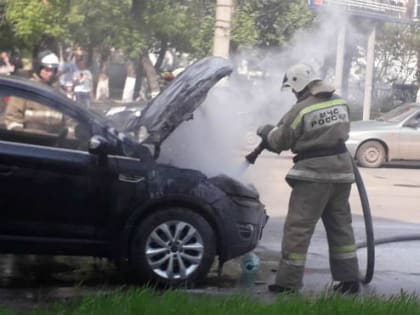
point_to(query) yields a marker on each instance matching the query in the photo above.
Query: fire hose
(370, 240)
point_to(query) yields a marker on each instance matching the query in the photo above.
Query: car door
(410, 138)
(50, 185)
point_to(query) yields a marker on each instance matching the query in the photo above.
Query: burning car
(93, 190)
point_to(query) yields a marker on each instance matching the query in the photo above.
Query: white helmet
(46, 59)
(299, 76)
(49, 60)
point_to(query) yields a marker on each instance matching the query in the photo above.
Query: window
(28, 121)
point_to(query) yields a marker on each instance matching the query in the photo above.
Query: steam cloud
(223, 129)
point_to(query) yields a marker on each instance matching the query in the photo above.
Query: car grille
(246, 231)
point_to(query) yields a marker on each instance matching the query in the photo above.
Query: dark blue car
(96, 190)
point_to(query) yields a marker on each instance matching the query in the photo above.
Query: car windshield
(398, 114)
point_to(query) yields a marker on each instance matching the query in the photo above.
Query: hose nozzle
(252, 157)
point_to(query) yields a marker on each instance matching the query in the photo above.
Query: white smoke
(224, 128)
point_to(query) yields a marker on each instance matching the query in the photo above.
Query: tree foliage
(136, 25)
(32, 21)
(274, 22)
(105, 24)
(396, 53)
(185, 26)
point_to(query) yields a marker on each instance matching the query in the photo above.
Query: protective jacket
(24, 114)
(315, 129)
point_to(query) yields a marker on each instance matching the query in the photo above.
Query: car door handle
(6, 170)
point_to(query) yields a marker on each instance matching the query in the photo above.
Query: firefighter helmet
(299, 76)
(46, 59)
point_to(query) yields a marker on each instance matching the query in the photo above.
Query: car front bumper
(242, 226)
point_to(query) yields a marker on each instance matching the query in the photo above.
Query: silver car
(392, 136)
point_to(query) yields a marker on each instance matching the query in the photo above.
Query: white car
(392, 136)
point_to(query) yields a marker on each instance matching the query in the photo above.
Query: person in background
(166, 78)
(26, 115)
(6, 65)
(66, 70)
(82, 80)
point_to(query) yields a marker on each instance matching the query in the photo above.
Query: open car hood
(180, 99)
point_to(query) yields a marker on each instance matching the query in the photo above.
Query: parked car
(394, 135)
(96, 191)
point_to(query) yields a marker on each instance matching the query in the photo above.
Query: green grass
(147, 301)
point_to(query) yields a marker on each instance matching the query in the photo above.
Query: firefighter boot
(275, 288)
(347, 287)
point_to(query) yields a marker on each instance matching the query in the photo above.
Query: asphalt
(393, 193)
(397, 264)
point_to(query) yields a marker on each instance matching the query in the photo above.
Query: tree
(172, 24)
(275, 21)
(38, 23)
(139, 27)
(396, 53)
(244, 28)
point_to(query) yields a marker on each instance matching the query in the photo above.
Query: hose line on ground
(370, 239)
(370, 242)
(392, 239)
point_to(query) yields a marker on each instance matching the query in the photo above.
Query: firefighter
(26, 115)
(315, 129)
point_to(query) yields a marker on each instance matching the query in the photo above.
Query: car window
(25, 120)
(398, 113)
(416, 119)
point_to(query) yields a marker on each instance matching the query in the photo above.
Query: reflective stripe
(313, 107)
(13, 125)
(343, 256)
(43, 114)
(298, 263)
(296, 256)
(342, 177)
(343, 252)
(294, 259)
(344, 249)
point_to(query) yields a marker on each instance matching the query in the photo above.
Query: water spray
(251, 158)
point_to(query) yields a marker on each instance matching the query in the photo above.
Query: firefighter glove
(263, 132)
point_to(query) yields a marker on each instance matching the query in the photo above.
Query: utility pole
(370, 60)
(339, 65)
(224, 9)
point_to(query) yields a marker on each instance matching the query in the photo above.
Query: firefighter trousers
(310, 201)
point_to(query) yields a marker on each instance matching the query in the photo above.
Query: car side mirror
(98, 145)
(412, 123)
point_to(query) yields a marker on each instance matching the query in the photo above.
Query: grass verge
(148, 301)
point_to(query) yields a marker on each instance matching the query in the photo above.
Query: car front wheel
(371, 154)
(173, 247)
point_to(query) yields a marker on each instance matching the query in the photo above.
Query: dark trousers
(309, 202)
(83, 98)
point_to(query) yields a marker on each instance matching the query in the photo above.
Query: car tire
(173, 247)
(371, 154)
